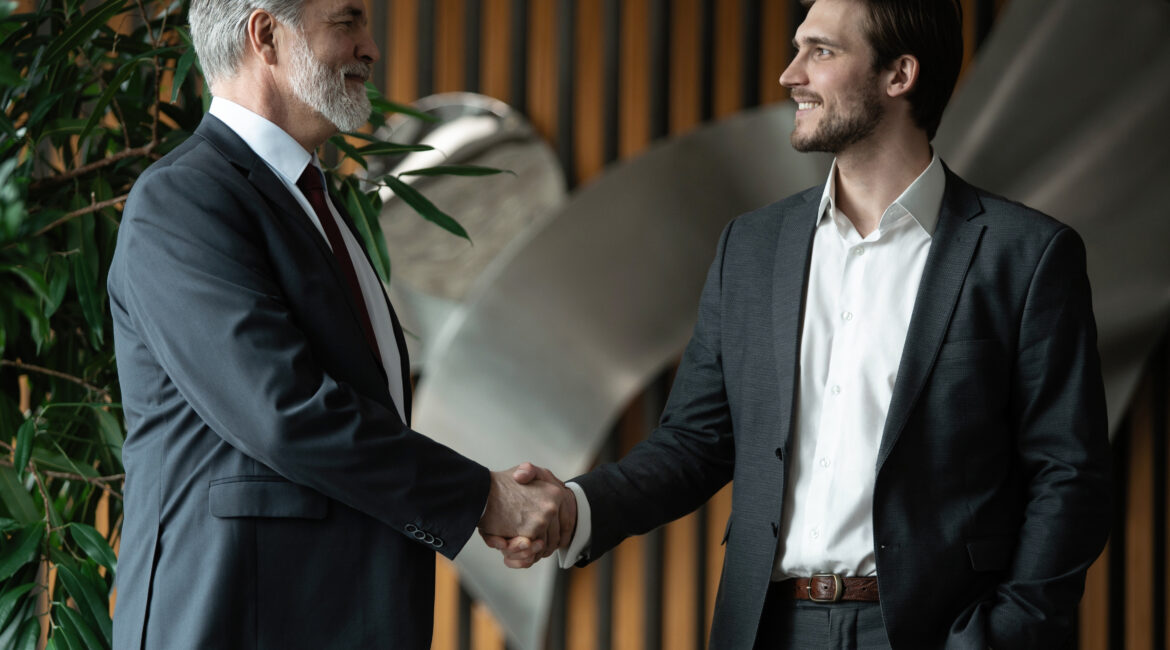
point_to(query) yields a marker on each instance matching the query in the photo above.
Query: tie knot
(310, 180)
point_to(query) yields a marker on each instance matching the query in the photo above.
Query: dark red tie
(310, 183)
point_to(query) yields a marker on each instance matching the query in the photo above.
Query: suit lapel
(277, 195)
(789, 281)
(951, 250)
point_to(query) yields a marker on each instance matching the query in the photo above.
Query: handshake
(529, 515)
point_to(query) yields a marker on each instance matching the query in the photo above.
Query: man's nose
(367, 49)
(793, 75)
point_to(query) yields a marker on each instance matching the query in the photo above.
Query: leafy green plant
(90, 95)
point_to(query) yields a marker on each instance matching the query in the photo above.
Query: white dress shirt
(288, 159)
(861, 294)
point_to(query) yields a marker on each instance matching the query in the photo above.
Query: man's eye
(820, 51)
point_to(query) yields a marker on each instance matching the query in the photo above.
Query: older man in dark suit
(275, 494)
(898, 370)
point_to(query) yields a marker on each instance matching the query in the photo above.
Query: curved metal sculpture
(567, 324)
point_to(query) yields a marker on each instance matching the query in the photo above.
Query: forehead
(334, 8)
(833, 21)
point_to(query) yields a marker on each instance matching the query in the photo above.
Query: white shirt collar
(274, 146)
(922, 199)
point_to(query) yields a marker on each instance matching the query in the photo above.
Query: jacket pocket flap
(262, 496)
(991, 554)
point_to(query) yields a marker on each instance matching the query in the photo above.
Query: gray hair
(219, 30)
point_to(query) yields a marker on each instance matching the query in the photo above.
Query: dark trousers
(788, 623)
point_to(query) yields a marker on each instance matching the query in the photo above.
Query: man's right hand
(530, 514)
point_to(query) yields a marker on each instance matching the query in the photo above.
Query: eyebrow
(348, 12)
(816, 40)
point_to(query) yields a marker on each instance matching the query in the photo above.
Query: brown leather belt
(830, 588)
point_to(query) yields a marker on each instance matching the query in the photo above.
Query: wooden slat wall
(601, 80)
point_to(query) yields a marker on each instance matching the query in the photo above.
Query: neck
(260, 92)
(873, 173)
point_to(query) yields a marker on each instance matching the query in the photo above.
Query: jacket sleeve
(196, 282)
(1058, 407)
(688, 457)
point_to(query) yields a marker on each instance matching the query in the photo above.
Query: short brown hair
(930, 31)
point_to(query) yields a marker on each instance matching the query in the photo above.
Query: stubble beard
(326, 90)
(842, 128)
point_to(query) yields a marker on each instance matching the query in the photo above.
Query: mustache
(363, 70)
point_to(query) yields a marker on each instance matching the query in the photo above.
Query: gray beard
(325, 90)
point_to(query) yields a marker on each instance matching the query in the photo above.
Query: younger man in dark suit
(898, 370)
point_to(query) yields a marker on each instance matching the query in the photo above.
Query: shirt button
(814, 533)
(836, 390)
(825, 462)
(847, 315)
(859, 251)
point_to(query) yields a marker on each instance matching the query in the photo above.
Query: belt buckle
(838, 588)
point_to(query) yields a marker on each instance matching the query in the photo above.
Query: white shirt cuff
(582, 535)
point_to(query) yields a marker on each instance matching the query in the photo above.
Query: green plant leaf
(456, 170)
(127, 69)
(24, 441)
(32, 277)
(362, 211)
(383, 105)
(49, 459)
(111, 431)
(80, 30)
(32, 311)
(181, 69)
(9, 601)
(72, 622)
(92, 603)
(391, 149)
(21, 550)
(87, 293)
(94, 545)
(16, 499)
(425, 208)
(57, 275)
(30, 632)
(349, 150)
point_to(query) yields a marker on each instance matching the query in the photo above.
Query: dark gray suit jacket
(274, 497)
(992, 489)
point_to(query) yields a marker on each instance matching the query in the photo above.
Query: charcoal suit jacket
(992, 491)
(274, 497)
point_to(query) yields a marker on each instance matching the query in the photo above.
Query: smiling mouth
(806, 106)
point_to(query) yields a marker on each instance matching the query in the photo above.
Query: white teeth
(804, 106)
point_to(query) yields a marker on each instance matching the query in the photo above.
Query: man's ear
(902, 76)
(261, 35)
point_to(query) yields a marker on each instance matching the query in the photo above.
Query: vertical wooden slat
(727, 84)
(496, 36)
(634, 91)
(589, 93)
(970, 33)
(402, 66)
(1093, 618)
(718, 510)
(685, 67)
(450, 37)
(679, 584)
(486, 633)
(629, 587)
(582, 623)
(1164, 404)
(446, 627)
(1160, 423)
(1138, 530)
(542, 68)
(775, 50)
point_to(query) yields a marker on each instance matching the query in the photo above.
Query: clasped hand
(529, 515)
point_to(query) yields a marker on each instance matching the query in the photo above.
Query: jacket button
(438, 543)
(410, 528)
(418, 534)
